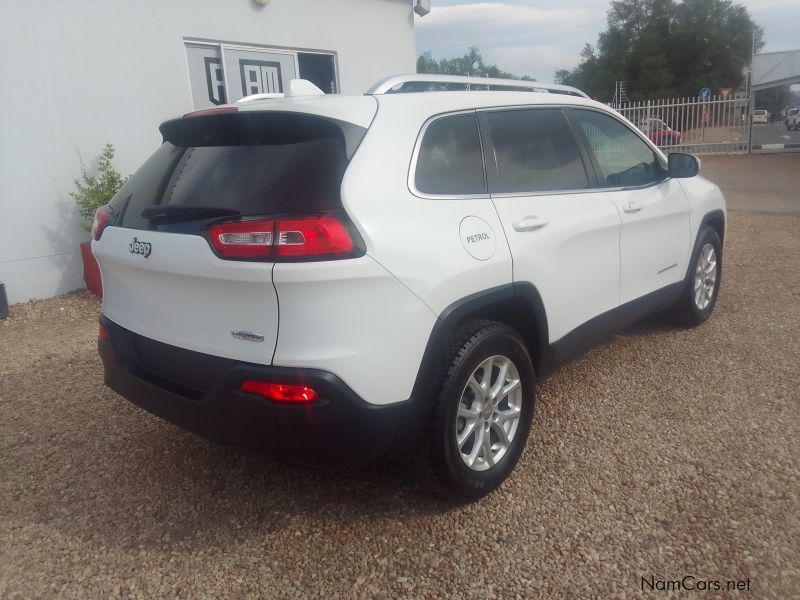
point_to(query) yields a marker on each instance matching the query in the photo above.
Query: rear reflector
(280, 392)
(103, 333)
(313, 237)
(101, 216)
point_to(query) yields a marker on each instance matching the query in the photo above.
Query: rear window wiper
(158, 211)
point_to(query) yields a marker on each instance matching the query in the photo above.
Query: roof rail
(423, 82)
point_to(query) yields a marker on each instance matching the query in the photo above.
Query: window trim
(596, 165)
(412, 172)
(587, 154)
(588, 166)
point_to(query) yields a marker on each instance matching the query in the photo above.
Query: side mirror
(682, 166)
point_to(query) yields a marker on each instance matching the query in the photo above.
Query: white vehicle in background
(793, 119)
(341, 280)
(760, 116)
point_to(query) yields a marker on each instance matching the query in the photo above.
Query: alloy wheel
(705, 277)
(488, 413)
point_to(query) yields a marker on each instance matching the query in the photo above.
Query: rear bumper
(201, 394)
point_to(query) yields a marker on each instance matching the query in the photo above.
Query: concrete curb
(776, 146)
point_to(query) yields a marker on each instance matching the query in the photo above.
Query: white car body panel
(654, 241)
(573, 261)
(354, 319)
(359, 110)
(704, 197)
(183, 295)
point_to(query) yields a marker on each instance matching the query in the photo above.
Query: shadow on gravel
(102, 470)
(656, 323)
(116, 476)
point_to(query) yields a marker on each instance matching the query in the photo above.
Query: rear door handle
(530, 223)
(632, 207)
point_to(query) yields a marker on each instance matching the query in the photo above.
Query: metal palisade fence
(714, 126)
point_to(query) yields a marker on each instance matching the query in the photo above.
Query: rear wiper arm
(158, 211)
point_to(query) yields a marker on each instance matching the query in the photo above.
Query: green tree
(665, 48)
(471, 63)
(426, 63)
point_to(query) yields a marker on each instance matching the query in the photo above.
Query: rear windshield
(267, 163)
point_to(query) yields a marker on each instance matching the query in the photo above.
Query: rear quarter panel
(354, 319)
(417, 239)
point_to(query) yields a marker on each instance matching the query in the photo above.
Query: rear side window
(535, 152)
(263, 164)
(450, 161)
(625, 160)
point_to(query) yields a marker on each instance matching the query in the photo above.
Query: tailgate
(182, 294)
(161, 277)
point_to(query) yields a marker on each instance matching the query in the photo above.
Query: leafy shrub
(93, 191)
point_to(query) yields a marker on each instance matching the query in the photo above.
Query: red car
(659, 132)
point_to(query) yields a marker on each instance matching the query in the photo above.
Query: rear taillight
(101, 216)
(248, 239)
(315, 237)
(280, 392)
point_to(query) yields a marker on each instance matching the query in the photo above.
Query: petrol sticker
(478, 238)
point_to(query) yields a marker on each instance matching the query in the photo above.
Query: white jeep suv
(340, 280)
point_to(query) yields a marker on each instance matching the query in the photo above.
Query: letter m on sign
(260, 77)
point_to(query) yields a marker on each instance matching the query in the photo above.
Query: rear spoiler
(227, 126)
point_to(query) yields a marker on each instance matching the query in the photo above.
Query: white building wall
(78, 74)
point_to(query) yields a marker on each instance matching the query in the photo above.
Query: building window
(221, 73)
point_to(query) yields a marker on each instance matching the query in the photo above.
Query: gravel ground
(663, 453)
(761, 182)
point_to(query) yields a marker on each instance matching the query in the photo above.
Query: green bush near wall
(93, 191)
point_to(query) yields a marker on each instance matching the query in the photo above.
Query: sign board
(705, 94)
(725, 92)
(219, 74)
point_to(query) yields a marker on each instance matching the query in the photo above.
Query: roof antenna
(303, 87)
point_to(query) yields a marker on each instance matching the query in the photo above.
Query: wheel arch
(518, 305)
(716, 220)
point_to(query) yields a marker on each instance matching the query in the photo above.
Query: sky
(538, 37)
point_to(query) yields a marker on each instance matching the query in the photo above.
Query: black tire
(437, 457)
(686, 312)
